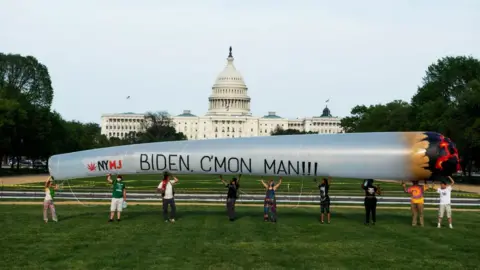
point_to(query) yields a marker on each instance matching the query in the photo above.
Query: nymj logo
(105, 165)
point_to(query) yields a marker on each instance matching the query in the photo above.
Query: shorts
(117, 205)
(445, 208)
(325, 207)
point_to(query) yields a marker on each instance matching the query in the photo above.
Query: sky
(293, 55)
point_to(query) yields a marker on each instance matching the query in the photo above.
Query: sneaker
(46, 220)
(451, 226)
(172, 220)
(118, 220)
(110, 220)
(438, 225)
(166, 220)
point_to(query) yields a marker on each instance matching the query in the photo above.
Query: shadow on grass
(358, 216)
(186, 213)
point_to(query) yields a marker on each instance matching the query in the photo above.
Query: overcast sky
(293, 55)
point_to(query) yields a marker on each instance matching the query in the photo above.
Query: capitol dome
(229, 92)
(229, 75)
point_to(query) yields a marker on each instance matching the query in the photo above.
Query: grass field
(211, 184)
(203, 238)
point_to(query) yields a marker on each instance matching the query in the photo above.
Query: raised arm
(175, 179)
(404, 187)
(279, 183)
(329, 180)
(264, 184)
(451, 181)
(48, 181)
(425, 185)
(238, 179)
(379, 190)
(109, 178)
(223, 181)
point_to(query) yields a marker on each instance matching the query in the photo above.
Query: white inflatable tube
(383, 155)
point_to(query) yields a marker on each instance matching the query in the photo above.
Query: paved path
(25, 179)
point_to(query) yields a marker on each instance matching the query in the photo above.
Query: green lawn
(203, 238)
(212, 184)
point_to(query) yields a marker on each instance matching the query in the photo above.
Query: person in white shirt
(445, 192)
(168, 193)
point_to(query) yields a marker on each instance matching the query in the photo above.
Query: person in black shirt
(324, 198)
(232, 195)
(370, 200)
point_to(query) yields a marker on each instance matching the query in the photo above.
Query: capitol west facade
(228, 115)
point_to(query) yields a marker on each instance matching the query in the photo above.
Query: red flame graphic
(91, 167)
(444, 145)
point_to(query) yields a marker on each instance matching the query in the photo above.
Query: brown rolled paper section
(432, 155)
(417, 159)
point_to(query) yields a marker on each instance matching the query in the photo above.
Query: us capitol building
(228, 115)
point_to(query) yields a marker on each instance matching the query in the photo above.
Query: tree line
(30, 129)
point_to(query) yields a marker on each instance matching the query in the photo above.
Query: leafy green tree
(393, 116)
(30, 77)
(158, 127)
(26, 93)
(447, 102)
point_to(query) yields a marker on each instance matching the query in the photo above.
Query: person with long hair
(168, 196)
(370, 201)
(232, 195)
(48, 201)
(324, 187)
(270, 202)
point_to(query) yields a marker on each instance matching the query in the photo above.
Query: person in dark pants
(168, 196)
(324, 199)
(232, 195)
(370, 200)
